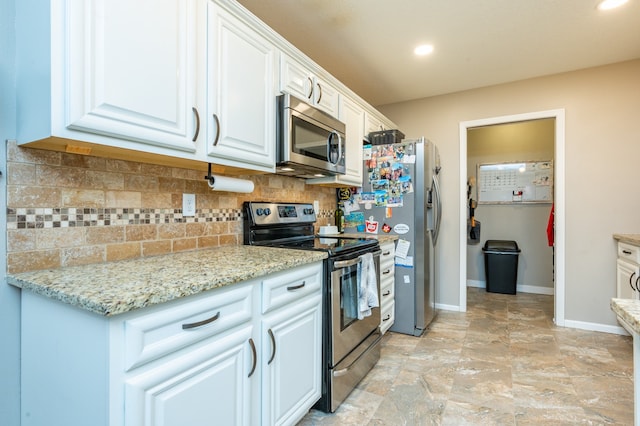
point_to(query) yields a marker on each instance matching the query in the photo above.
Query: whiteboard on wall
(515, 183)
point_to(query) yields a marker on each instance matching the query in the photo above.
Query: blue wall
(9, 296)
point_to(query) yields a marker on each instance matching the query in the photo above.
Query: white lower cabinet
(387, 285)
(244, 354)
(290, 360)
(628, 271)
(208, 383)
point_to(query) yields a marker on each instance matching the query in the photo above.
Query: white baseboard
(520, 289)
(442, 306)
(592, 326)
(476, 283)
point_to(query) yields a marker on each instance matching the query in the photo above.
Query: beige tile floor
(503, 362)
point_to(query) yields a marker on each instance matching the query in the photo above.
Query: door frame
(558, 199)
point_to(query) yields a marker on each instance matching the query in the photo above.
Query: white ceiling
(368, 44)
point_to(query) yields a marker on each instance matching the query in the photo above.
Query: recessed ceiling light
(423, 49)
(610, 4)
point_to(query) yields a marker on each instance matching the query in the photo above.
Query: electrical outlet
(316, 207)
(188, 204)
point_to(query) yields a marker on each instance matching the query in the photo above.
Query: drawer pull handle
(201, 323)
(254, 357)
(319, 93)
(386, 272)
(388, 317)
(273, 345)
(626, 251)
(387, 293)
(197, 132)
(296, 287)
(386, 253)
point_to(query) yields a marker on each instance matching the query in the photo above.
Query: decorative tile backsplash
(67, 209)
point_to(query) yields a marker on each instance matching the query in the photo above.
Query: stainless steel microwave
(310, 142)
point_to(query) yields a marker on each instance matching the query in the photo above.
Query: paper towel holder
(229, 184)
(210, 177)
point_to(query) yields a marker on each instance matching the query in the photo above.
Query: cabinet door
(291, 361)
(353, 116)
(326, 97)
(207, 385)
(241, 98)
(131, 71)
(627, 280)
(298, 80)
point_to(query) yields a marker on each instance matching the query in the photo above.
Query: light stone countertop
(118, 287)
(382, 238)
(628, 310)
(628, 238)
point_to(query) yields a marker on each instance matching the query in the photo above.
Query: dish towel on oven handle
(367, 286)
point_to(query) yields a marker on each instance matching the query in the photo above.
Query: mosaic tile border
(70, 217)
(73, 217)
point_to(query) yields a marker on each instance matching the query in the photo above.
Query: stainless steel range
(351, 346)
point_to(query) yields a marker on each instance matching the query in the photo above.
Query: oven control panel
(263, 213)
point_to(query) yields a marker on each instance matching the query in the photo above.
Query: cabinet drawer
(388, 253)
(387, 317)
(286, 287)
(165, 330)
(387, 273)
(629, 252)
(387, 293)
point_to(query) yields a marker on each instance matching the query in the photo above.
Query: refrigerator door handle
(438, 213)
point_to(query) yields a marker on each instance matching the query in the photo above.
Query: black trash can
(501, 265)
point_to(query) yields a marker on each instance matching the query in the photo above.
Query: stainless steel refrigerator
(401, 196)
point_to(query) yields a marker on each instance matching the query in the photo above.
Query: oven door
(347, 331)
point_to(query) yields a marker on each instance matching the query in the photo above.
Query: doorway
(558, 197)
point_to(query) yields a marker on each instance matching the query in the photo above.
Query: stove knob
(308, 211)
(259, 212)
(267, 211)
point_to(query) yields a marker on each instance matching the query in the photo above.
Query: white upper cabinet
(174, 82)
(298, 80)
(111, 73)
(241, 93)
(375, 122)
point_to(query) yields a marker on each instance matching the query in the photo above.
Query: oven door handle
(346, 263)
(345, 370)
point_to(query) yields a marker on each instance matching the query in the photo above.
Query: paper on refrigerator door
(402, 248)
(407, 262)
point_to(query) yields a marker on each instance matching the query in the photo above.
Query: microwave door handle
(329, 146)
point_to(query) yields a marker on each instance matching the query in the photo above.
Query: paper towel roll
(223, 183)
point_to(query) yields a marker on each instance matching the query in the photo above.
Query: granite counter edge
(124, 306)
